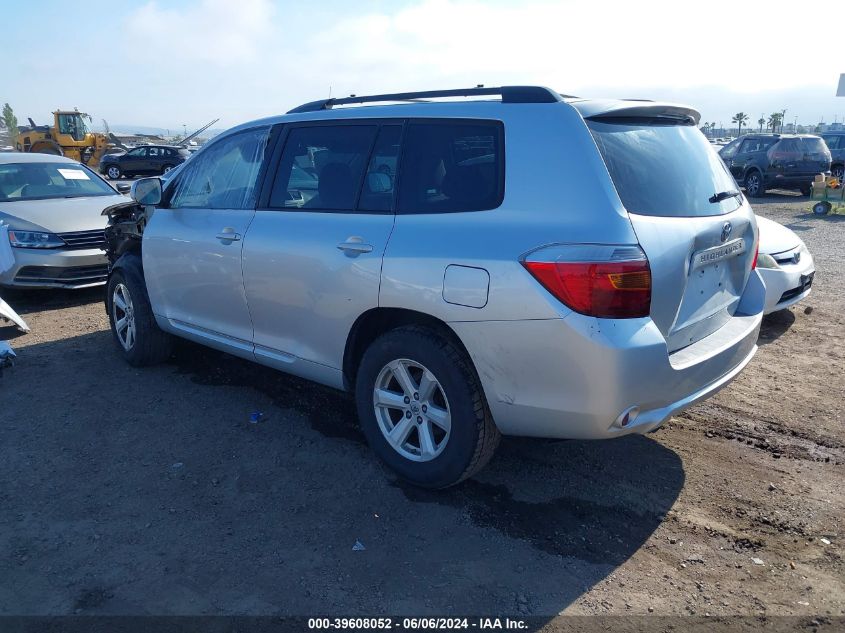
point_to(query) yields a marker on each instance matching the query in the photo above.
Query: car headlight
(34, 239)
(764, 260)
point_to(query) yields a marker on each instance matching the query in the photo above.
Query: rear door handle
(355, 246)
(228, 234)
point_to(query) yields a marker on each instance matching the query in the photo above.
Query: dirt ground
(129, 491)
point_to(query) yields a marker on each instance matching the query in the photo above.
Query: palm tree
(775, 120)
(740, 118)
(762, 122)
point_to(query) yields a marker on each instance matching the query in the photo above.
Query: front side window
(137, 152)
(42, 181)
(322, 167)
(225, 176)
(452, 167)
(729, 150)
(757, 145)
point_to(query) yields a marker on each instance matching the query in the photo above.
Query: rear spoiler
(638, 110)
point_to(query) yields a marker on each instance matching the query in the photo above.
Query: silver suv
(503, 261)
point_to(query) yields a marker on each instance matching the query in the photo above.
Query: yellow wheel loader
(68, 136)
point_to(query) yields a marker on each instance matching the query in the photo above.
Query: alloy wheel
(412, 410)
(113, 173)
(123, 314)
(752, 184)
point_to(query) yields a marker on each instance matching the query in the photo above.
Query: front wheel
(754, 184)
(113, 172)
(133, 325)
(422, 408)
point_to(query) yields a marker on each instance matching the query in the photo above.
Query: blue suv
(776, 161)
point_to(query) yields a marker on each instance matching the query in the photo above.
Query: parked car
(785, 264)
(52, 209)
(836, 144)
(536, 266)
(149, 159)
(776, 161)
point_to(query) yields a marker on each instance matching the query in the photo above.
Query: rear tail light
(597, 280)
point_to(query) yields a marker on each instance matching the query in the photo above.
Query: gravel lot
(129, 491)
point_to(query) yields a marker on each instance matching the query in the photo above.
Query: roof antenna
(479, 85)
(330, 92)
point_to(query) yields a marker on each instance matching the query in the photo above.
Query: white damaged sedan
(785, 264)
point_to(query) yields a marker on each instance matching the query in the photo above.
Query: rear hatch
(694, 226)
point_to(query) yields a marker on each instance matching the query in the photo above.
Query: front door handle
(354, 246)
(228, 235)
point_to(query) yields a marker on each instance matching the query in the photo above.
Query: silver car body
(284, 293)
(80, 223)
(788, 274)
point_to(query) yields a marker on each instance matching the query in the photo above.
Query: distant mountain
(176, 130)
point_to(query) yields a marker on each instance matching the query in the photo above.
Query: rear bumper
(790, 180)
(572, 378)
(57, 268)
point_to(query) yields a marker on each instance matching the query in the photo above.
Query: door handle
(354, 246)
(228, 234)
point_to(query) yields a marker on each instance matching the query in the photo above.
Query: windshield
(664, 169)
(41, 181)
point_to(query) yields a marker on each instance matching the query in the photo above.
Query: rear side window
(322, 167)
(451, 167)
(225, 175)
(787, 149)
(663, 169)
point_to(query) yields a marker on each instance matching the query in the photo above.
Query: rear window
(814, 146)
(664, 170)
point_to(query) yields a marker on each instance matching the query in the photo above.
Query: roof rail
(509, 94)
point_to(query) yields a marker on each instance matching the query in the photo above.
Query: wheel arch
(377, 321)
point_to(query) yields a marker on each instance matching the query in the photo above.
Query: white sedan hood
(776, 238)
(58, 215)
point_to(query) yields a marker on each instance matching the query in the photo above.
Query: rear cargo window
(664, 170)
(814, 146)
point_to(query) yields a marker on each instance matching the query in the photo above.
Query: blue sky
(169, 63)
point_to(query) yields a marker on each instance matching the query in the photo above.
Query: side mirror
(146, 191)
(123, 187)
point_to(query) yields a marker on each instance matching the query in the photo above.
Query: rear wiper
(724, 195)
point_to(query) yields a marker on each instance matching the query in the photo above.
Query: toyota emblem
(726, 231)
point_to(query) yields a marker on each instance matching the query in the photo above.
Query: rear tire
(133, 326)
(439, 438)
(113, 172)
(754, 184)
